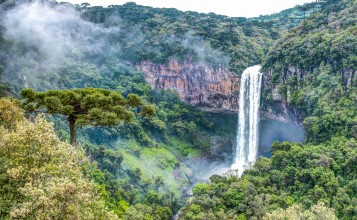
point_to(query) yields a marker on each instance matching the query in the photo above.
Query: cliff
(211, 88)
(276, 104)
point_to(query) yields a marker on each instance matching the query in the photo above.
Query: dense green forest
(143, 168)
(313, 66)
(211, 38)
(98, 47)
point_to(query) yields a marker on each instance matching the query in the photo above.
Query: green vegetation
(289, 18)
(295, 174)
(41, 177)
(313, 68)
(89, 106)
(318, 211)
(3, 87)
(177, 132)
(169, 33)
(316, 63)
(138, 170)
(140, 156)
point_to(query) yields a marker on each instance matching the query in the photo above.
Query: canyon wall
(211, 88)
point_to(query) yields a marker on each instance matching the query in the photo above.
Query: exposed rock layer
(210, 88)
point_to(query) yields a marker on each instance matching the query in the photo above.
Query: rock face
(214, 89)
(281, 111)
(279, 108)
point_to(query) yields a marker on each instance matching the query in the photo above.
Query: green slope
(313, 68)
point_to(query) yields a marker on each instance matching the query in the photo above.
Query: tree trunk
(72, 129)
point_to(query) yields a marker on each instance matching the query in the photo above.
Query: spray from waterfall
(248, 119)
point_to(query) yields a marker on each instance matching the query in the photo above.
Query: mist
(203, 51)
(41, 38)
(271, 131)
(44, 43)
(47, 44)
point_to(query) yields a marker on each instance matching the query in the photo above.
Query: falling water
(248, 118)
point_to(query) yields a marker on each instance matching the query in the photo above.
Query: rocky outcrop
(281, 111)
(211, 88)
(279, 107)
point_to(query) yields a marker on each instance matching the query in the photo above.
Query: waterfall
(248, 118)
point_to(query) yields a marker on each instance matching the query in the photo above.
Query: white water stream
(248, 119)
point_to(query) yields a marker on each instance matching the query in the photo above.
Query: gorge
(184, 100)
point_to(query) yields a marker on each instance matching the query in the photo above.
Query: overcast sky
(233, 8)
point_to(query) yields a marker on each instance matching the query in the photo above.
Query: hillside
(150, 160)
(188, 66)
(324, 87)
(212, 49)
(312, 68)
(210, 38)
(291, 17)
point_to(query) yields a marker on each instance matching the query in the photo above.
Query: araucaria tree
(88, 106)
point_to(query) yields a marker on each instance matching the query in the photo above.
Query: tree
(10, 113)
(3, 87)
(159, 181)
(318, 211)
(85, 5)
(312, 127)
(88, 106)
(153, 197)
(42, 177)
(303, 8)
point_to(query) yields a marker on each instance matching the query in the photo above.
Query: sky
(232, 8)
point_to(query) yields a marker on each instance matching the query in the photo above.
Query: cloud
(203, 50)
(44, 42)
(42, 38)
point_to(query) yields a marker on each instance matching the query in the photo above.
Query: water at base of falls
(248, 119)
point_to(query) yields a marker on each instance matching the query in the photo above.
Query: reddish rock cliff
(211, 88)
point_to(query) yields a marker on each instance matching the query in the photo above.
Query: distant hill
(288, 18)
(209, 37)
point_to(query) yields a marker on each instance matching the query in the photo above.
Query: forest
(83, 135)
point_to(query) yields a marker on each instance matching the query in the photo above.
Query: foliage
(126, 178)
(289, 18)
(314, 67)
(42, 177)
(318, 211)
(10, 113)
(119, 172)
(3, 87)
(295, 174)
(140, 164)
(89, 106)
(170, 33)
